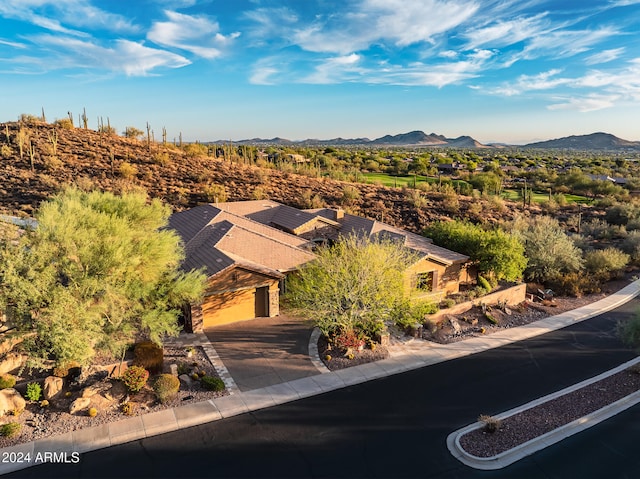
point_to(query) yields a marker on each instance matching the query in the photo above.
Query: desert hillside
(38, 158)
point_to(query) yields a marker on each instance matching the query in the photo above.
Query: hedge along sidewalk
(550, 438)
(413, 355)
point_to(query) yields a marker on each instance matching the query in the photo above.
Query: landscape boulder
(11, 362)
(105, 394)
(52, 387)
(79, 405)
(10, 401)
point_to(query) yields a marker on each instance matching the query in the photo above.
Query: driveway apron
(263, 352)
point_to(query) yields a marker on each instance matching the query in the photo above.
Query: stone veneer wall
(514, 295)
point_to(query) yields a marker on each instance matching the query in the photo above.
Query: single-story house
(247, 248)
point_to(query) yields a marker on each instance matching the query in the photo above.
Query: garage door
(229, 307)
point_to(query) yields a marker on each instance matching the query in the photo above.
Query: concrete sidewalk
(411, 355)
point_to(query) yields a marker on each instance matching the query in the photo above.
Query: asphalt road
(397, 426)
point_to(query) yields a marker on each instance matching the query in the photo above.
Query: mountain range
(593, 141)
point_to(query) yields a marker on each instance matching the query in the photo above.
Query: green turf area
(402, 180)
(541, 197)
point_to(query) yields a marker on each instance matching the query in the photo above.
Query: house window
(424, 281)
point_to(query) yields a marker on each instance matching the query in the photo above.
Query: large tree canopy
(494, 252)
(353, 285)
(97, 271)
(549, 250)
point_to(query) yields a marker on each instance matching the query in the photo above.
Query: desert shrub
(162, 158)
(409, 314)
(259, 193)
(166, 387)
(34, 391)
(491, 424)
(629, 331)
(64, 123)
(6, 151)
(416, 198)
(11, 429)
(348, 338)
(211, 383)
(605, 263)
(148, 355)
(633, 224)
(598, 229)
(128, 408)
(92, 412)
(574, 284)
(127, 170)
(447, 303)
(62, 369)
(7, 381)
(350, 194)
(215, 193)
(621, 214)
(193, 150)
(134, 378)
(631, 246)
(482, 281)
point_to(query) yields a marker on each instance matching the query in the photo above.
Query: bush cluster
(166, 387)
(34, 391)
(10, 429)
(211, 383)
(347, 339)
(148, 355)
(135, 378)
(7, 381)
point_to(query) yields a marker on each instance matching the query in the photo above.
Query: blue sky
(498, 70)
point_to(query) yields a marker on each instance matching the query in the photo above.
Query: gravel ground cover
(41, 422)
(546, 417)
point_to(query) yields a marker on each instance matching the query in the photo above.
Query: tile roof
(215, 240)
(241, 233)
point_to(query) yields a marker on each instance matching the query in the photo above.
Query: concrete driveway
(264, 351)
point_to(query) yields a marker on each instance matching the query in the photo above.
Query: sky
(511, 71)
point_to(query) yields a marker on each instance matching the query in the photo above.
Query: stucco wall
(448, 276)
(514, 295)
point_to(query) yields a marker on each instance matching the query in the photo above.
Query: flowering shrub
(347, 339)
(135, 378)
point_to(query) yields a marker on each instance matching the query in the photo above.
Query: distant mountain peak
(593, 141)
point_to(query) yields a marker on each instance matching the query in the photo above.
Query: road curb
(550, 438)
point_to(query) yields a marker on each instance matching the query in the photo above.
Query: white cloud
(196, 34)
(123, 56)
(567, 43)
(525, 83)
(379, 21)
(58, 15)
(586, 104)
(336, 69)
(507, 32)
(12, 44)
(605, 56)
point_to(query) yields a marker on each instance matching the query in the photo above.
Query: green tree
(96, 272)
(494, 252)
(550, 252)
(352, 286)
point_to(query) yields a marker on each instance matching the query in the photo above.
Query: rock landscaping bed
(335, 358)
(109, 397)
(548, 416)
